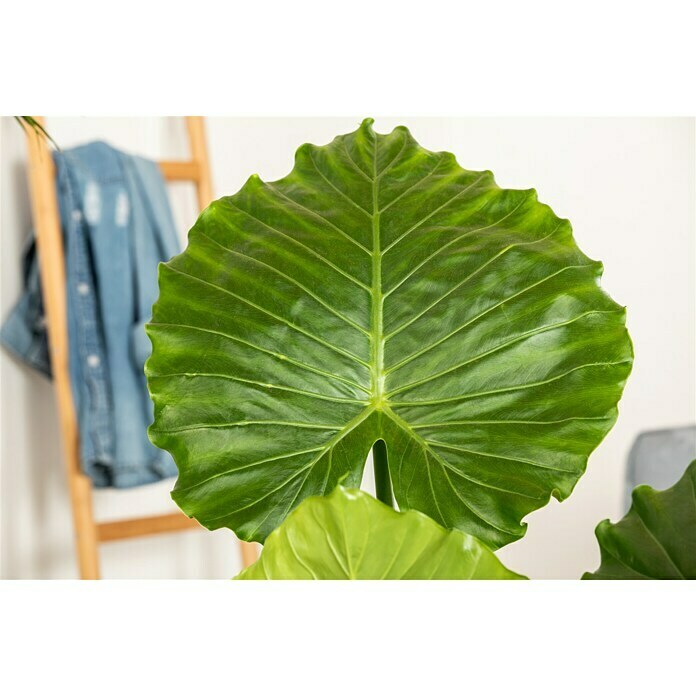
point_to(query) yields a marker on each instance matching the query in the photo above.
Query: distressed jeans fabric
(117, 227)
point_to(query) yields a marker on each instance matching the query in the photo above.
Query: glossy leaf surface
(656, 540)
(380, 291)
(348, 535)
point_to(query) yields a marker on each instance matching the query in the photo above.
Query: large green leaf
(380, 291)
(656, 540)
(348, 535)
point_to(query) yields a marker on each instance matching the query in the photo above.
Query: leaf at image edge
(656, 539)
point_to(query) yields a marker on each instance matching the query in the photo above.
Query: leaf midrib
(378, 400)
(376, 324)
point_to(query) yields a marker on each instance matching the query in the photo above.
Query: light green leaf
(380, 291)
(656, 540)
(348, 535)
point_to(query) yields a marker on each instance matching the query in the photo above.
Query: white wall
(627, 185)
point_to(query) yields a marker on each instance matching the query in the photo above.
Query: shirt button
(82, 288)
(93, 360)
(77, 215)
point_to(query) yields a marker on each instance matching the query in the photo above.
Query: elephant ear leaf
(382, 292)
(656, 540)
(348, 535)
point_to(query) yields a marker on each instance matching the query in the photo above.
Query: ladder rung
(181, 171)
(144, 526)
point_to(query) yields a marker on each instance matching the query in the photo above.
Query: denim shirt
(117, 226)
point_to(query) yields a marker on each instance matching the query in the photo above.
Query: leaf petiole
(382, 478)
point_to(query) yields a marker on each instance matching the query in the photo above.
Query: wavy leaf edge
(655, 539)
(377, 406)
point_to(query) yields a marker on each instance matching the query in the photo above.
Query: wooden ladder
(49, 239)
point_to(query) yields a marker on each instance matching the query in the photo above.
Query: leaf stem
(382, 478)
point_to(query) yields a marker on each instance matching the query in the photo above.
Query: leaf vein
(418, 183)
(321, 217)
(495, 349)
(487, 263)
(277, 317)
(304, 246)
(435, 212)
(315, 297)
(293, 361)
(338, 190)
(266, 385)
(461, 397)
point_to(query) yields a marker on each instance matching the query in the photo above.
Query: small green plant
(29, 122)
(380, 296)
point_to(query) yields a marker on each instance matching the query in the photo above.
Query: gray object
(659, 458)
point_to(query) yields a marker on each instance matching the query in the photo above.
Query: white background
(347, 639)
(626, 184)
